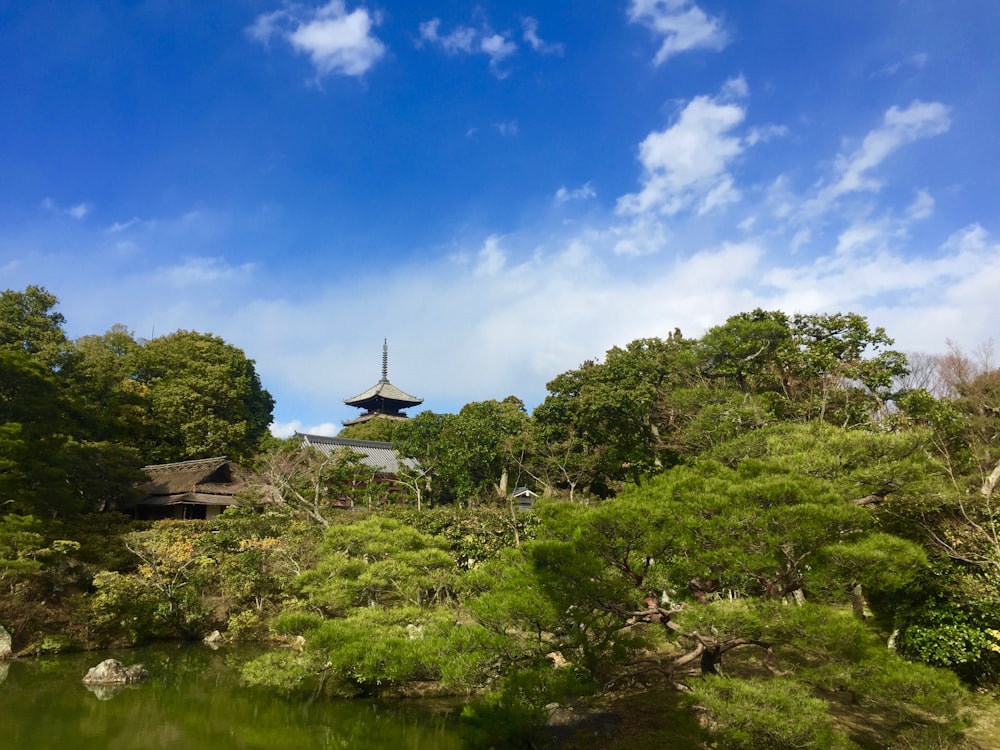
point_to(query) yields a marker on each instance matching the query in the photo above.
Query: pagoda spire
(383, 399)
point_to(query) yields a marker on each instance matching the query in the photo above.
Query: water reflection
(193, 700)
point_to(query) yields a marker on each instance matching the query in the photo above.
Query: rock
(213, 639)
(5, 643)
(113, 672)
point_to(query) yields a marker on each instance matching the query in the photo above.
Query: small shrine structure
(382, 400)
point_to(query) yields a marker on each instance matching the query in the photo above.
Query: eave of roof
(375, 454)
(385, 391)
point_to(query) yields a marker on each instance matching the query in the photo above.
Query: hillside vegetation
(778, 535)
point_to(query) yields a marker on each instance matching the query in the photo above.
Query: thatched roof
(206, 481)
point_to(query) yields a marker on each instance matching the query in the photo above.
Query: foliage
(257, 554)
(375, 648)
(377, 561)
(303, 480)
(514, 714)
(771, 714)
(173, 576)
(204, 398)
(368, 617)
(949, 618)
(470, 454)
(20, 542)
(46, 468)
(380, 429)
(713, 482)
(474, 535)
(126, 610)
(605, 414)
(30, 325)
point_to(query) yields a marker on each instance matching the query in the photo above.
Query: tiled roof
(385, 390)
(378, 455)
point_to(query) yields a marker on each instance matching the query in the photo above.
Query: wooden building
(198, 489)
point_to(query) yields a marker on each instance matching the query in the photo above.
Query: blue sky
(500, 189)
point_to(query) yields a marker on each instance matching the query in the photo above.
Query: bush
(770, 714)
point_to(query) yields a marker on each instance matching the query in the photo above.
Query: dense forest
(777, 535)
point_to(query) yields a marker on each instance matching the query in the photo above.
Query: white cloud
(922, 206)
(687, 162)
(198, 271)
(526, 306)
(916, 61)
(643, 236)
(921, 299)
(78, 211)
(722, 193)
(469, 41)
(498, 48)
(765, 133)
(682, 24)
(529, 32)
(491, 258)
(584, 192)
(507, 129)
(460, 39)
(336, 41)
(287, 429)
(121, 226)
(861, 236)
(899, 128)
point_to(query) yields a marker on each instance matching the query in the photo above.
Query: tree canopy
(78, 418)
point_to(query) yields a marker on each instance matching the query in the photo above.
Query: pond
(193, 699)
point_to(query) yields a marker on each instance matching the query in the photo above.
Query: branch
(872, 499)
(991, 481)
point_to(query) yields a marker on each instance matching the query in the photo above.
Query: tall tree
(101, 380)
(611, 409)
(29, 323)
(468, 456)
(204, 398)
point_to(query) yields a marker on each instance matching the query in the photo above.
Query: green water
(193, 700)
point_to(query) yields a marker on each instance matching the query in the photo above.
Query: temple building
(383, 399)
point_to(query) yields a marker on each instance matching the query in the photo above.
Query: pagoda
(383, 399)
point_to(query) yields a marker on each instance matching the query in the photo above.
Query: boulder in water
(113, 672)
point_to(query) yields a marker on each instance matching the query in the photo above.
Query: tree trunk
(859, 605)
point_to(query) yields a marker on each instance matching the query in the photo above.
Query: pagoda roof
(383, 393)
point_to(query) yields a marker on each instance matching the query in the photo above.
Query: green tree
(470, 455)
(422, 438)
(102, 383)
(380, 429)
(365, 613)
(606, 416)
(305, 482)
(844, 371)
(748, 350)
(204, 398)
(29, 323)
